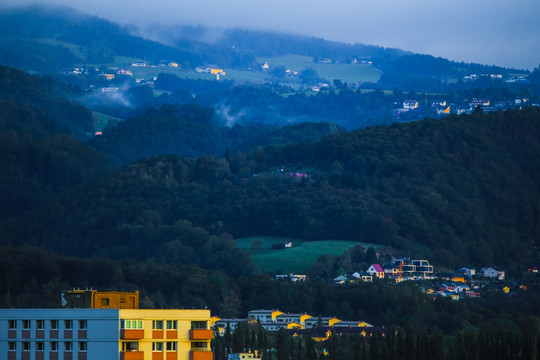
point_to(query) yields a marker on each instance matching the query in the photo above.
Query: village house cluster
(274, 320)
(464, 282)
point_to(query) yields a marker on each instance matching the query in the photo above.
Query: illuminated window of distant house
(157, 346)
(68, 324)
(83, 346)
(68, 346)
(198, 324)
(54, 345)
(157, 324)
(40, 346)
(172, 324)
(82, 324)
(12, 324)
(105, 301)
(40, 324)
(26, 345)
(171, 345)
(12, 346)
(54, 324)
(26, 324)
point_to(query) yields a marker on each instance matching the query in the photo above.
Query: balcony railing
(201, 355)
(132, 334)
(132, 355)
(201, 334)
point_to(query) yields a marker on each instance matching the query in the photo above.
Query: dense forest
(457, 190)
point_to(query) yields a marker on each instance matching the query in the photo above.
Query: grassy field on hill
(297, 259)
(350, 73)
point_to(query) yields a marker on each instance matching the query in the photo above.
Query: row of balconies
(194, 334)
(193, 355)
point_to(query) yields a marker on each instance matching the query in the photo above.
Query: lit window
(82, 324)
(12, 346)
(157, 346)
(26, 346)
(54, 324)
(171, 324)
(40, 346)
(68, 324)
(131, 324)
(40, 324)
(12, 324)
(171, 345)
(54, 345)
(157, 324)
(82, 346)
(68, 346)
(26, 324)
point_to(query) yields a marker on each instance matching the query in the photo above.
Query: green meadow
(297, 259)
(350, 73)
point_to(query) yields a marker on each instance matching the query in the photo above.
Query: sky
(495, 32)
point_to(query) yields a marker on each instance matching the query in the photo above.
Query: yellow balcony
(132, 355)
(201, 355)
(201, 334)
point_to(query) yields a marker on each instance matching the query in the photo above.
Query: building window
(82, 346)
(12, 346)
(12, 324)
(171, 345)
(26, 345)
(68, 324)
(105, 301)
(157, 346)
(199, 345)
(40, 324)
(26, 324)
(40, 346)
(198, 324)
(68, 346)
(54, 324)
(130, 346)
(54, 345)
(131, 324)
(157, 324)
(82, 324)
(172, 324)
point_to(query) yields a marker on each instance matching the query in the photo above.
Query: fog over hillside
(499, 32)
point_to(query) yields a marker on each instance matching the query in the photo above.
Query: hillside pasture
(350, 73)
(297, 259)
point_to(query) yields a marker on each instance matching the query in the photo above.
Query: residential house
(376, 270)
(341, 279)
(363, 276)
(493, 273)
(299, 319)
(320, 321)
(292, 277)
(467, 271)
(410, 104)
(243, 356)
(264, 315)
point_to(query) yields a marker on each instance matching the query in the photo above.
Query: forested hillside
(40, 155)
(192, 131)
(457, 190)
